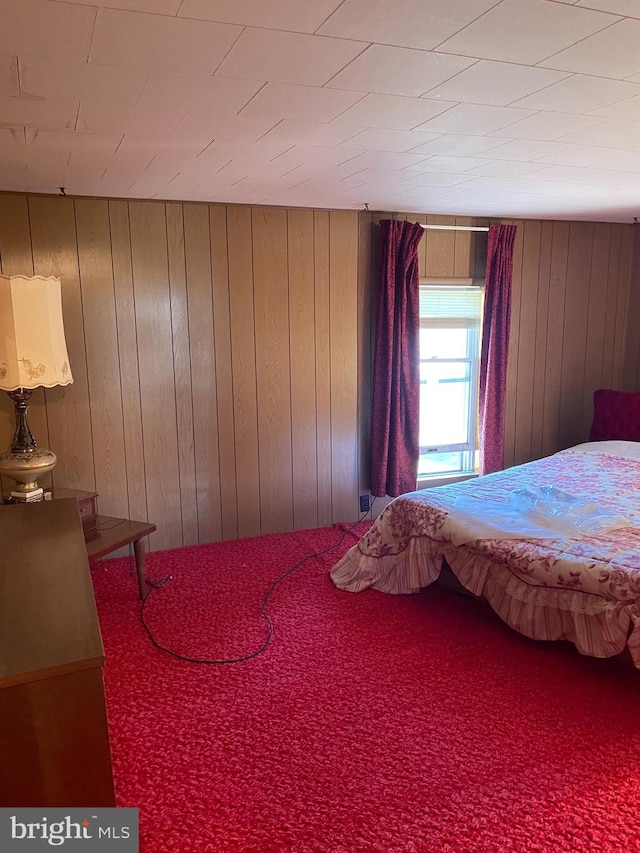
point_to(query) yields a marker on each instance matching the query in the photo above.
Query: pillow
(616, 415)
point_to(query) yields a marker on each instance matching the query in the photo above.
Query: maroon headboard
(616, 415)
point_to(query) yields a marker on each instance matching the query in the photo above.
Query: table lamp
(33, 353)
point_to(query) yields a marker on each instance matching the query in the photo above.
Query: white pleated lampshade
(33, 350)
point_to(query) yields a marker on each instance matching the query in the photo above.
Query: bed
(553, 545)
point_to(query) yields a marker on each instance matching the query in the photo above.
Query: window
(450, 334)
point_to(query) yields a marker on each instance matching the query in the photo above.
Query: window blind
(452, 303)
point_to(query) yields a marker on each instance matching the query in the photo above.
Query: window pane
(444, 402)
(443, 343)
(432, 464)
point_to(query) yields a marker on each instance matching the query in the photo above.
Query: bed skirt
(598, 627)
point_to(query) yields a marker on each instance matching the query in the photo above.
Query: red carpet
(372, 722)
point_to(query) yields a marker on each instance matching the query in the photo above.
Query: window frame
(469, 447)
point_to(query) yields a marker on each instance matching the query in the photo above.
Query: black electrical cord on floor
(155, 585)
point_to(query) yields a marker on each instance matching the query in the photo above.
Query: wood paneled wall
(213, 351)
(575, 315)
(221, 354)
(571, 290)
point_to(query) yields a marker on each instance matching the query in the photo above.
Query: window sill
(446, 480)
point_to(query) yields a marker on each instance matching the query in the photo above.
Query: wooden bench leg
(139, 551)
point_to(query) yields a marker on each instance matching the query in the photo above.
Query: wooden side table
(104, 534)
(113, 533)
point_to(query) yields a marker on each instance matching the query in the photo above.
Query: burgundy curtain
(396, 369)
(495, 345)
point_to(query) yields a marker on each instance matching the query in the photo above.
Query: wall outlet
(365, 503)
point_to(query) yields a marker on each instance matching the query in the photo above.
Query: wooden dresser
(54, 743)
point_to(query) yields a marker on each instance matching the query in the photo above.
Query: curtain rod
(453, 227)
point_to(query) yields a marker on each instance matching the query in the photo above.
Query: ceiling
(524, 108)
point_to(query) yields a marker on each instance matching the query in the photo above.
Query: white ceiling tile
(612, 132)
(384, 160)
(11, 138)
(610, 53)
(46, 28)
(311, 133)
(291, 15)
(388, 140)
(324, 157)
(304, 103)
(404, 23)
(392, 111)
(9, 76)
(544, 125)
(45, 77)
(526, 31)
(159, 7)
(629, 109)
(496, 83)
(527, 149)
(451, 165)
(628, 8)
(489, 182)
(94, 144)
(382, 176)
(204, 127)
(53, 114)
(438, 179)
(96, 116)
(398, 71)
(159, 41)
(462, 146)
(581, 175)
(165, 90)
(579, 94)
(625, 161)
(288, 57)
(474, 119)
(506, 169)
(218, 154)
(585, 155)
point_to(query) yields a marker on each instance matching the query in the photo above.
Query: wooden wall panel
(53, 241)
(555, 325)
(157, 380)
(243, 349)
(608, 352)
(343, 320)
(181, 342)
(597, 298)
(103, 364)
(622, 302)
(631, 364)
(203, 370)
(321, 255)
(303, 360)
(526, 330)
(273, 368)
(440, 248)
(224, 372)
(129, 362)
(541, 340)
(222, 354)
(574, 335)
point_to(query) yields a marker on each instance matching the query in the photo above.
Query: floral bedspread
(585, 588)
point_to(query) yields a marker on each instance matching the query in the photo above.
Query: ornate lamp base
(25, 462)
(25, 468)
